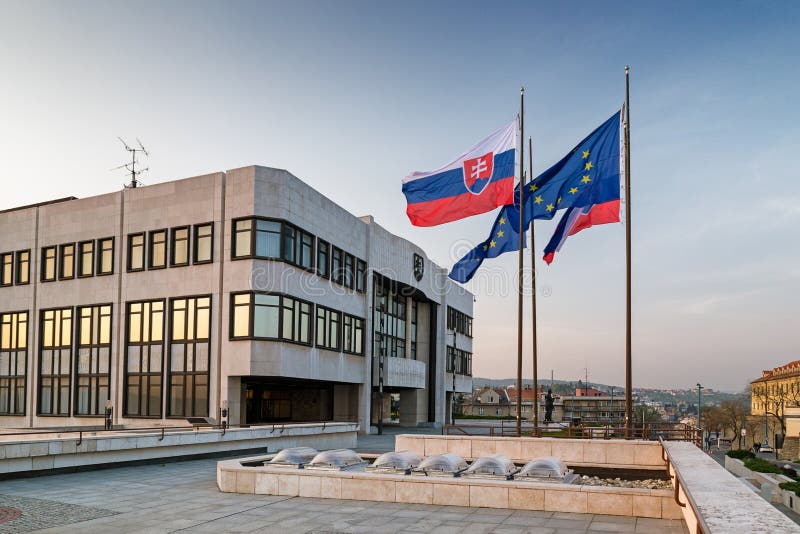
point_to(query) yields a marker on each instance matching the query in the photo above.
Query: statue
(548, 407)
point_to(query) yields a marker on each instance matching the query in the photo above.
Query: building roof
(38, 204)
(784, 371)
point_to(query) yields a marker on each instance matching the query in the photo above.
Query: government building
(246, 293)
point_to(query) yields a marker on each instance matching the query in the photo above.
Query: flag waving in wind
(589, 174)
(478, 181)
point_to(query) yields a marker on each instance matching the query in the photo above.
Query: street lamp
(453, 369)
(699, 403)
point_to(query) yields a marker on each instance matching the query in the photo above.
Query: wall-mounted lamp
(224, 416)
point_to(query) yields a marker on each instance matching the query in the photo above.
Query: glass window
(66, 264)
(337, 266)
(289, 237)
(135, 252)
(85, 258)
(189, 351)
(203, 242)
(144, 359)
(323, 261)
(353, 334)
(349, 270)
(23, 267)
(266, 316)
(240, 321)
(49, 264)
(268, 239)
(242, 238)
(158, 249)
(180, 247)
(361, 275)
(6, 269)
(13, 362)
(55, 360)
(93, 370)
(105, 256)
(306, 250)
(327, 328)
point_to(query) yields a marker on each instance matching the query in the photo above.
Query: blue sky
(350, 97)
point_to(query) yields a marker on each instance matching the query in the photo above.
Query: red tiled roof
(784, 371)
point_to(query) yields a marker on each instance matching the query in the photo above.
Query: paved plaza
(183, 496)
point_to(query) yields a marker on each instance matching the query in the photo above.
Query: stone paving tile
(40, 514)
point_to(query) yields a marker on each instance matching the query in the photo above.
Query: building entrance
(267, 402)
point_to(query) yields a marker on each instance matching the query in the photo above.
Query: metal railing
(641, 431)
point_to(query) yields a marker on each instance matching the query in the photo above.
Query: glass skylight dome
(443, 463)
(336, 459)
(496, 464)
(295, 456)
(545, 467)
(400, 460)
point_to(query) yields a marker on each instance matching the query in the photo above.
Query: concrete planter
(768, 483)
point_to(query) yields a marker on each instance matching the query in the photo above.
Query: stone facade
(255, 378)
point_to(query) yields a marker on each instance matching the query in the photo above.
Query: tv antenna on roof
(131, 167)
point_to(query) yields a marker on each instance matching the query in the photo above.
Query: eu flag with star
(593, 164)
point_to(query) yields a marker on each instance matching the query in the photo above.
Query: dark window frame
(288, 233)
(79, 249)
(94, 359)
(62, 263)
(321, 243)
(55, 400)
(251, 318)
(327, 314)
(6, 258)
(195, 240)
(337, 273)
(355, 321)
(144, 351)
(18, 267)
(100, 251)
(16, 382)
(173, 241)
(170, 374)
(150, 245)
(361, 276)
(129, 266)
(43, 274)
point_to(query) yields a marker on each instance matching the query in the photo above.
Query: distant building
(487, 401)
(776, 389)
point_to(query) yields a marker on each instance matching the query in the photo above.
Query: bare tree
(773, 398)
(733, 414)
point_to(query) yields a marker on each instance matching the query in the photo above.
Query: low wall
(233, 477)
(715, 500)
(768, 483)
(51, 452)
(612, 453)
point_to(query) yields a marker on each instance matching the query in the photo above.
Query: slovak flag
(478, 181)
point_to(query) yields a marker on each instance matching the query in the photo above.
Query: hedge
(762, 466)
(740, 454)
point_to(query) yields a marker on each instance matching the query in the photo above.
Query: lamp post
(224, 416)
(699, 403)
(109, 421)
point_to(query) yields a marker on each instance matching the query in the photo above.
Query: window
(23, 267)
(361, 275)
(242, 238)
(55, 361)
(157, 254)
(179, 247)
(353, 335)
(13, 362)
(48, 264)
(289, 237)
(144, 351)
(269, 316)
(323, 263)
(337, 266)
(459, 360)
(189, 357)
(413, 329)
(389, 321)
(135, 252)
(93, 363)
(66, 264)
(6, 269)
(203, 243)
(306, 250)
(459, 322)
(349, 273)
(105, 256)
(328, 327)
(85, 258)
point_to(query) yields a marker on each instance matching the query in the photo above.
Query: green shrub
(791, 486)
(762, 466)
(740, 454)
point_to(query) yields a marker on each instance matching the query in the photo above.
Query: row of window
(15, 268)
(459, 360)
(281, 317)
(173, 247)
(258, 237)
(96, 257)
(459, 322)
(390, 321)
(84, 259)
